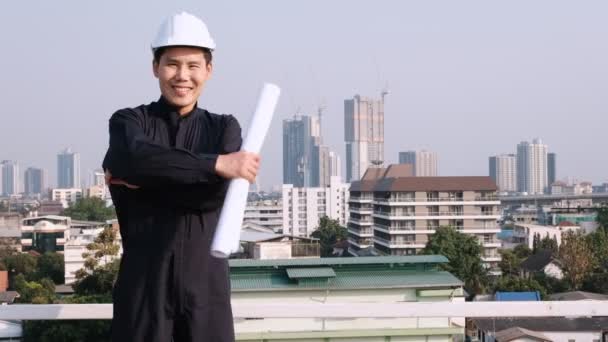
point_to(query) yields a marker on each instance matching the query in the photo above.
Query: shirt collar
(171, 112)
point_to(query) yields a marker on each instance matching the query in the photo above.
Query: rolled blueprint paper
(228, 231)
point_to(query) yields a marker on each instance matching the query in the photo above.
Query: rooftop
(341, 273)
(543, 323)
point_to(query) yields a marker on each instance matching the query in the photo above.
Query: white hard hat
(183, 29)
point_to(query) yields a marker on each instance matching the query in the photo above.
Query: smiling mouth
(181, 90)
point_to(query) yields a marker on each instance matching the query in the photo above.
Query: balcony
(360, 199)
(361, 232)
(398, 243)
(361, 243)
(328, 320)
(367, 211)
(436, 201)
(361, 222)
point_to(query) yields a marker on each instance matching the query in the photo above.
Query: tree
(90, 209)
(51, 265)
(522, 251)
(100, 265)
(548, 243)
(464, 255)
(516, 284)
(22, 263)
(93, 285)
(329, 232)
(602, 217)
(576, 258)
(42, 292)
(535, 243)
(509, 263)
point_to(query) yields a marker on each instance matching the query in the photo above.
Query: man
(168, 166)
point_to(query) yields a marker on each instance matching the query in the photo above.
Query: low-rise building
(540, 329)
(45, 233)
(383, 279)
(408, 210)
(82, 233)
(66, 196)
(258, 242)
(267, 213)
(523, 234)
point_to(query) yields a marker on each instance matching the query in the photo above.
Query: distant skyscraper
(335, 165)
(424, 162)
(34, 181)
(68, 169)
(532, 167)
(10, 177)
(503, 170)
(551, 168)
(301, 164)
(363, 134)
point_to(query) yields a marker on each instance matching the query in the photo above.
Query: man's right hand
(240, 164)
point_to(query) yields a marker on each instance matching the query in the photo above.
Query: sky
(467, 79)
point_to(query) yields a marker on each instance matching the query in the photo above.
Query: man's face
(182, 73)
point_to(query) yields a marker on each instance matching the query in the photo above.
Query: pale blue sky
(468, 79)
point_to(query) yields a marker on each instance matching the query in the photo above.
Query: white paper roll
(228, 231)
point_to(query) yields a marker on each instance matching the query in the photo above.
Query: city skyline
(464, 81)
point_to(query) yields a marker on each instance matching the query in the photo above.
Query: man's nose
(182, 73)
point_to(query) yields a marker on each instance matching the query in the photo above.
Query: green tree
(42, 292)
(22, 263)
(90, 209)
(51, 265)
(516, 284)
(535, 243)
(329, 232)
(509, 263)
(576, 258)
(550, 284)
(522, 251)
(93, 285)
(100, 266)
(464, 255)
(548, 243)
(602, 216)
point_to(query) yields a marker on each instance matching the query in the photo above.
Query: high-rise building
(363, 135)
(10, 177)
(503, 170)
(335, 166)
(68, 170)
(301, 138)
(551, 168)
(303, 207)
(34, 181)
(424, 162)
(532, 167)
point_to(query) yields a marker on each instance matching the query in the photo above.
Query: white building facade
(303, 207)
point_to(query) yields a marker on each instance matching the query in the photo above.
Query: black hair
(158, 53)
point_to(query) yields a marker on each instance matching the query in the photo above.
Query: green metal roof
(410, 259)
(278, 280)
(311, 272)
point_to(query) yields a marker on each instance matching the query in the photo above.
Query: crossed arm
(135, 161)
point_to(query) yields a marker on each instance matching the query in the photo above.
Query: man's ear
(155, 68)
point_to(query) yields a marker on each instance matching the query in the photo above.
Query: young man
(168, 166)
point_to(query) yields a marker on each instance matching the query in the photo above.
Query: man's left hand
(117, 181)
